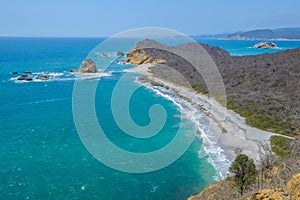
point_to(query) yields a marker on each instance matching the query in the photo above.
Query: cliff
(139, 54)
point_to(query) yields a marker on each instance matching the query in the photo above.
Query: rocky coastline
(88, 66)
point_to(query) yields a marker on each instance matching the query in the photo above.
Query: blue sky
(95, 18)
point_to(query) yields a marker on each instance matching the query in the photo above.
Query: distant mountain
(261, 34)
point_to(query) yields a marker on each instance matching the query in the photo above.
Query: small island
(265, 45)
(88, 66)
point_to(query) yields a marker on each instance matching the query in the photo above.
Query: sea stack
(88, 66)
(265, 45)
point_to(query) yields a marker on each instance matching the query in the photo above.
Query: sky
(98, 18)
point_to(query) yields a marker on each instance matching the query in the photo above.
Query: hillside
(263, 88)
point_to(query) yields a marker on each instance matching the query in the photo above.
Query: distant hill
(261, 34)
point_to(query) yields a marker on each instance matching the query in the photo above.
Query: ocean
(42, 155)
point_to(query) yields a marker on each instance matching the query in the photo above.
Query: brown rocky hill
(223, 190)
(263, 88)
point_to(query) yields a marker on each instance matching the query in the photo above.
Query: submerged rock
(42, 77)
(265, 45)
(24, 78)
(88, 66)
(14, 72)
(27, 72)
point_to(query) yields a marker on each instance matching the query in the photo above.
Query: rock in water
(120, 53)
(24, 78)
(42, 77)
(265, 45)
(88, 66)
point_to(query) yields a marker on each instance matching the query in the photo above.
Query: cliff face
(291, 191)
(219, 190)
(139, 56)
(263, 88)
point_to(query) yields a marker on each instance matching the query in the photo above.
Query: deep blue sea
(42, 156)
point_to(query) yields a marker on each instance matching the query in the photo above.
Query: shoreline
(232, 135)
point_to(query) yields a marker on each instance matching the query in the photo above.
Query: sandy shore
(229, 129)
(142, 69)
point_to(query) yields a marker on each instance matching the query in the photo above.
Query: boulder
(88, 66)
(14, 72)
(27, 72)
(265, 45)
(24, 78)
(42, 77)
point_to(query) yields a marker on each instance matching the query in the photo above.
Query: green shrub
(199, 87)
(281, 146)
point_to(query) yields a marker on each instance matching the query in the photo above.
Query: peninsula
(262, 104)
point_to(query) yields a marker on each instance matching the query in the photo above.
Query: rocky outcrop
(291, 191)
(215, 191)
(138, 55)
(293, 187)
(88, 66)
(223, 190)
(265, 45)
(268, 194)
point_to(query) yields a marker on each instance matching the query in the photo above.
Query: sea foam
(209, 149)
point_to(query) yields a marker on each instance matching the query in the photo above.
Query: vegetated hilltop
(263, 88)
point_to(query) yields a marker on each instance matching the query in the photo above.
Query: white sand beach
(229, 129)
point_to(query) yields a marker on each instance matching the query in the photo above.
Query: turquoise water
(41, 154)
